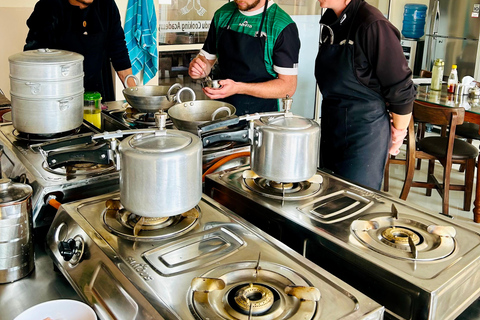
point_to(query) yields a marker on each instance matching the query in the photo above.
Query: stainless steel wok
(150, 99)
(188, 116)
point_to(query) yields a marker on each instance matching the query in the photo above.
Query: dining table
(471, 103)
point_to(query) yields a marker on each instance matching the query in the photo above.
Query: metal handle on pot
(34, 87)
(232, 135)
(179, 92)
(64, 104)
(65, 69)
(125, 81)
(227, 109)
(215, 124)
(96, 154)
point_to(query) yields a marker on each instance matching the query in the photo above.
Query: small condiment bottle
(437, 74)
(452, 79)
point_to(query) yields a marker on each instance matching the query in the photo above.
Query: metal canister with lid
(437, 74)
(16, 245)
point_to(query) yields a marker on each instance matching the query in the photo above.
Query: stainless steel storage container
(16, 245)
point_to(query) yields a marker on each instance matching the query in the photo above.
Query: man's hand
(228, 87)
(199, 67)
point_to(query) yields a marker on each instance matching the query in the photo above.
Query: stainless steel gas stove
(206, 263)
(21, 160)
(418, 265)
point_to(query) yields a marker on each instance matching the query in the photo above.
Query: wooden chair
(425, 73)
(446, 149)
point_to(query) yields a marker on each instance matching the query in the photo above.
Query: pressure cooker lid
(45, 56)
(295, 122)
(13, 192)
(171, 141)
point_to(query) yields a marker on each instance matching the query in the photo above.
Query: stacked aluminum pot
(16, 243)
(46, 91)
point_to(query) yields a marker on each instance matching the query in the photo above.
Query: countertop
(41, 285)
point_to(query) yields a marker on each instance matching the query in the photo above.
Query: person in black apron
(241, 61)
(91, 28)
(355, 122)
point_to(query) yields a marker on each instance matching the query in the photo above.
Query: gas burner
(407, 237)
(282, 191)
(42, 137)
(246, 289)
(130, 226)
(133, 116)
(81, 169)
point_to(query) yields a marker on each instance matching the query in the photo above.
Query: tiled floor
(434, 204)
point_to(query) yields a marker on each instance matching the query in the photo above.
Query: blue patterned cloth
(141, 37)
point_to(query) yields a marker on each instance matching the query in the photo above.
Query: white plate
(59, 310)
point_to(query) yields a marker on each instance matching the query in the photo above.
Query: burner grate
(130, 226)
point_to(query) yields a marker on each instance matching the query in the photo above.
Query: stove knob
(71, 250)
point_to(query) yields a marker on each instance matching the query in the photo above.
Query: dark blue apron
(241, 58)
(92, 47)
(355, 125)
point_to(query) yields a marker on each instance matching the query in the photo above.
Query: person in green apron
(366, 88)
(91, 28)
(255, 45)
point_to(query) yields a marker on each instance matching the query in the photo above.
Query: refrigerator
(452, 33)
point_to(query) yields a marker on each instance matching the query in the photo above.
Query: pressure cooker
(160, 170)
(284, 147)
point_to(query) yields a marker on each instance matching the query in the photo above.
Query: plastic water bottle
(437, 74)
(414, 20)
(452, 79)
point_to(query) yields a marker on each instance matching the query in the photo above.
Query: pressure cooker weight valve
(72, 250)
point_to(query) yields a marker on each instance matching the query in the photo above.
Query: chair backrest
(443, 116)
(437, 115)
(425, 74)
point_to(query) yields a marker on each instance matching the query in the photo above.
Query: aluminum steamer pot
(285, 149)
(16, 230)
(46, 91)
(161, 173)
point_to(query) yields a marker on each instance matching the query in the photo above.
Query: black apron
(96, 67)
(355, 125)
(241, 58)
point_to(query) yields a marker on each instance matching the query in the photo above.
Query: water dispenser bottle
(414, 20)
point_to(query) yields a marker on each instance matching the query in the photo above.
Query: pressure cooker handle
(80, 139)
(99, 153)
(233, 135)
(215, 124)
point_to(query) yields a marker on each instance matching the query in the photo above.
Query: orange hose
(223, 161)
(54, 203)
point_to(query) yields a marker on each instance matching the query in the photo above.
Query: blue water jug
(414, 20)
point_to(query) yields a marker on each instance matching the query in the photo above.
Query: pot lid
(168, 142)
(295, 123)
(46, 56)
(13, 192)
